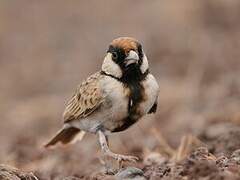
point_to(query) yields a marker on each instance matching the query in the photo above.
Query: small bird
(112, 99)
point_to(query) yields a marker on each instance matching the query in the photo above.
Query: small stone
(154, 158)
(11, 173)
(222, 161)
(130, 173)
(236, 156)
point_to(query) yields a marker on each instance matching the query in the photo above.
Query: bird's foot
(120, 158)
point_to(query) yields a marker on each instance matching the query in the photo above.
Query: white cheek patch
(110, 67)
(144, 67)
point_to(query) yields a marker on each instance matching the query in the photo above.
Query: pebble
(130, 173)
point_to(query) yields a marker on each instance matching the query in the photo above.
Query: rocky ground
(214, 155)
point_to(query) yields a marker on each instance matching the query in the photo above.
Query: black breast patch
(136, 97)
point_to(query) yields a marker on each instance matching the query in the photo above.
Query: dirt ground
(48, 47)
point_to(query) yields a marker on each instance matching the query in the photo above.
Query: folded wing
(87, 98)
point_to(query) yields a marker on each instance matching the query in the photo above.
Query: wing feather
(87, 98)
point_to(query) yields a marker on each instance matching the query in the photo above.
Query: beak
(132, 58)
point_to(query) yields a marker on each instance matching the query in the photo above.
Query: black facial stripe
(132, 72)
(120, 54)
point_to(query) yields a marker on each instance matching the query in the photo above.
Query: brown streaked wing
(86, 99)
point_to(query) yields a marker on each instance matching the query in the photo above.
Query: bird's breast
(116, 99)
(125, 104)
(151, 91)
(142, 96)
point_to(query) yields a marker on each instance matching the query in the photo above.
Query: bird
(112, 99)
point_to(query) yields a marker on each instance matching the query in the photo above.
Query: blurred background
(48, 47)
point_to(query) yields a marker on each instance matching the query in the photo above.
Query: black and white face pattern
(125, 59)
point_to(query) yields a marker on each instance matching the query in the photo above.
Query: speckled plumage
(85, 100)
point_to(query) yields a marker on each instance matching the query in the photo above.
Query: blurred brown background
(48, 47)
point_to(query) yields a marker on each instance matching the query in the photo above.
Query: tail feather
(66, 135)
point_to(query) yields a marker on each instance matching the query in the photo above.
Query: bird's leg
(107, 152)
(120, 163)
(107, 140)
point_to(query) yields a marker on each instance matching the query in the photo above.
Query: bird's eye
(114, 55)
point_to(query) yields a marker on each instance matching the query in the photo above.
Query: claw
(120, 158)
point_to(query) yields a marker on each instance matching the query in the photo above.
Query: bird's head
(125, 59)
